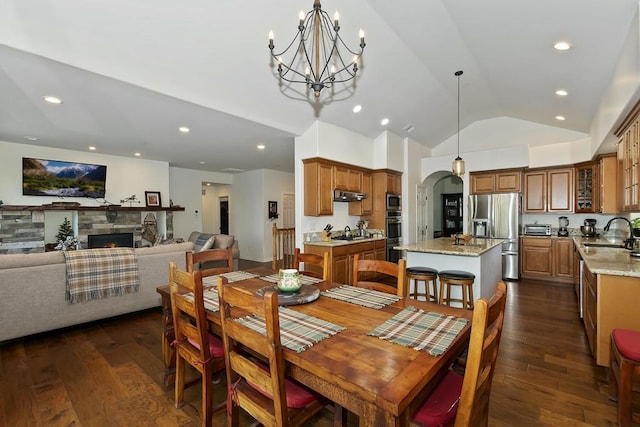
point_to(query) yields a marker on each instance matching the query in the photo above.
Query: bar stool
(430, 278)
(624, 366)
(464, 279)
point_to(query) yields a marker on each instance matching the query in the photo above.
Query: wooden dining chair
(464, 400)
(376, 275)
(210, 261)
(258, 384)
(320, 261)
(193, 343)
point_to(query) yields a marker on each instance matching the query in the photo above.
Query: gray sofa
(32, 290)
(204, 241)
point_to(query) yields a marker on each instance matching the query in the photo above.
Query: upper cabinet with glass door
(585, 190)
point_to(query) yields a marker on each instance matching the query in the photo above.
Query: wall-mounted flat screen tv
(62, 179)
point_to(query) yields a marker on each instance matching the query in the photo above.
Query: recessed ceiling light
(562, 45)
(184, 129)
(52, 99)
(31, 138)
(261, 146)
(137, 154)
(208, 184)
(203, 163)
(560, 118)
(561, 92)
(384, 121)
(92, 148)
(357, 108)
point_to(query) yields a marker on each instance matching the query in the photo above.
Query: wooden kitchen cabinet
(497, 181)
(563, 260)
(364, 206)
(384, 181)
(590, 304)
(607, 201)
(536, 258)
(394, 183)
(629, 167)
(348, 179)
(585, 187)
(548, 190)
(318, 188)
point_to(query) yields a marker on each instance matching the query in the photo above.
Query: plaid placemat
(421, 330)
(211, 302)
(306, 280)
(232, 276)
(362, 296)
(298, 331)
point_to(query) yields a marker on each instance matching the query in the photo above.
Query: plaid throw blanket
(362, 296)
(421, 330)
(298, 331)
(100, 273)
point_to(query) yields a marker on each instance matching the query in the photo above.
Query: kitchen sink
(349, 238)
(603, 245)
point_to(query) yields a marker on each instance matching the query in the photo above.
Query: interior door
(224, 215)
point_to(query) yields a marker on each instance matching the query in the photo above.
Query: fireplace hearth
(111, 240)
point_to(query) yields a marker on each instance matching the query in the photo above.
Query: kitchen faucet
(629, 243)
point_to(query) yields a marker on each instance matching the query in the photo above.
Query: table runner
(421, 330)
(305, 280)
(210, 296)
(232, 276)
(298, 331)
(362, 296)
(99, 273)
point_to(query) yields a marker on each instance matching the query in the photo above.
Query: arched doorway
(430, 209)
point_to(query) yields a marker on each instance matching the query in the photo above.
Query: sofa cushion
(204, 242)
(223, 241)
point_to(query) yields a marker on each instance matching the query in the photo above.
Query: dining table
(379, 380)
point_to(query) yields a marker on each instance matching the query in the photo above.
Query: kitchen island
(481, 257)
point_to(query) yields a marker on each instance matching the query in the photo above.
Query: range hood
(348, 196)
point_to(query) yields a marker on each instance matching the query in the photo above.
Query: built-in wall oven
(394, 234)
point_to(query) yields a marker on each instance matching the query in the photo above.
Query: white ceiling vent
(408, 128)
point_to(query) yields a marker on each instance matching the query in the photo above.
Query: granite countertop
(334, 243)
(603, 260)
(444, 245)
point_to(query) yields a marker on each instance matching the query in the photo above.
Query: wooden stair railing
(284, 245)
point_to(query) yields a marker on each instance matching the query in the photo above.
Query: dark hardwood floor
(109, 373)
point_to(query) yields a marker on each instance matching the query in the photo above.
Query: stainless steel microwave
(394, 202)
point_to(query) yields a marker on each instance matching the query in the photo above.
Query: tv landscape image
(62, 179)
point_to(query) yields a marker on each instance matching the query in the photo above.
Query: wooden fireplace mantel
(55, 207)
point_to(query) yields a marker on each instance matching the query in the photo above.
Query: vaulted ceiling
(131, 73)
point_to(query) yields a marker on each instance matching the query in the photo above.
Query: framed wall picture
(152, 199)
(273, 209)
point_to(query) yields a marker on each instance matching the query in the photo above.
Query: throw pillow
(223, 241)
(204, 242)
(193, 236)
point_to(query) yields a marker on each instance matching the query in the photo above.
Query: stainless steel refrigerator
(497, 216)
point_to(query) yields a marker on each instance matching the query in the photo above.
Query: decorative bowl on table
(289, 280)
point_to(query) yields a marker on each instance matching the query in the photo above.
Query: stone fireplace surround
(22, 229)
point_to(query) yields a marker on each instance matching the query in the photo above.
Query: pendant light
(458, 164)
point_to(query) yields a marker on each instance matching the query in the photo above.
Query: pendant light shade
(458, 164)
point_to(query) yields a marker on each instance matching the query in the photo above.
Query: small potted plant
(635, 223)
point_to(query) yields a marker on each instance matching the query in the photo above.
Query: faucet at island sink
(630, 242)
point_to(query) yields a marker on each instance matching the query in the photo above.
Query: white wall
(125, 176)
(186, 191)
(250, 193)
(211, 195)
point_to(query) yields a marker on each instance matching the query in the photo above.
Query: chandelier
(316, 59)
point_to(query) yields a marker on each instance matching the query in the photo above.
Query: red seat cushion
(216, 348)
(441, 407)
(628, 343)
(297, 395)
